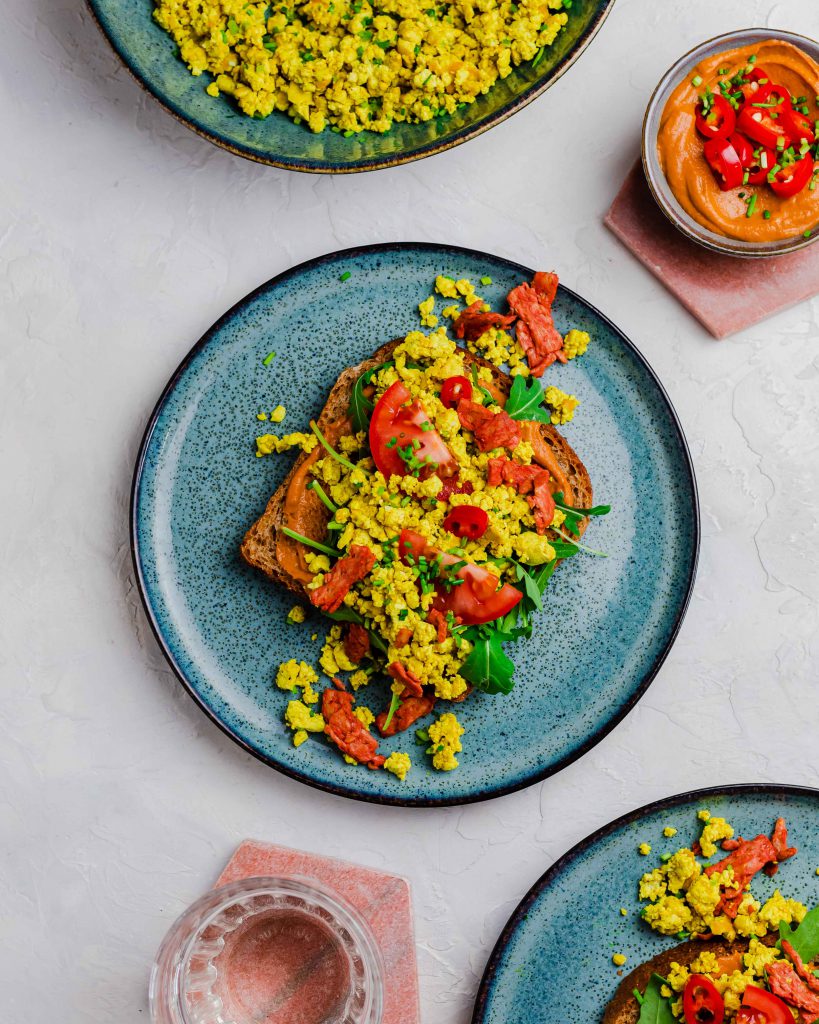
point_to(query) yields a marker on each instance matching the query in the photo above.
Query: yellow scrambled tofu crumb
(715, 830)
(445, 742)
(623, 912)
(352, 66)
(297, 675)
(261, 416)
(399, 764)
(561, 404)
(425, 308)
(278, 414)
(296, 614)
(302, 721)
(618, 959)
(267, 444)
(669, 832)
(364, 715)
(333, 657)
(644, 849)
(575, 343)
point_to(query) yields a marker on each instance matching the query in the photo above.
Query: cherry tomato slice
(467, 521)
(477, 599)
(791, 180)
(724, 162)
(702, 1002)
(745, 1015)
(398, 422)
(798, 126)
(768, 1007)
(720, 120)
(454, 389)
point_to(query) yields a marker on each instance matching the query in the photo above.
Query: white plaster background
(122, 237)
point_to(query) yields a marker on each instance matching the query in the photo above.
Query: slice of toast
(624, 1008)
(282, 559)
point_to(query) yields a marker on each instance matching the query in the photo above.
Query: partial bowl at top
(657, 181)
(149, 53)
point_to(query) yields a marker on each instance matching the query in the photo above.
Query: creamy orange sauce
(680, 149)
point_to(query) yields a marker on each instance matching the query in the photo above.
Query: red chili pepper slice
(454, 389)
(768, 1007)
(724, 162)
(467, 521)
(745, 151)
(760, 163)
(702, 1003)
(791, 180)
(757, 121)
(798, 126)
(720, 120)
(773, 92)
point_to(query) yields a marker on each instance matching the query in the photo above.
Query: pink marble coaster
(724, 293)
(382, 899)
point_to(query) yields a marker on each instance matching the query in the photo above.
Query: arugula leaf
(487, 667)
(805, 938)
(525, 401)
(597, 510)
(564, 550)
(488, 397)
(655, 1007)
(360, 405)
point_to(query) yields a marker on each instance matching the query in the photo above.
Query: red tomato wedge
(767, 1007)
(702, 1002)
(474, 601)
(398, 421)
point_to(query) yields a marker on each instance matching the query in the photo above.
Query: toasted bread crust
(264, 543)
(624, 1008)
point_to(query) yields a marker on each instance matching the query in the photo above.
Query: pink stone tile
(382, 899)
(724, 293)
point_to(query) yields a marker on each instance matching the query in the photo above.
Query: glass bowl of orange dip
(711, 145)
(268, 951)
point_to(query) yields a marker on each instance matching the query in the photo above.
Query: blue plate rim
(490, 974)
(307, 166)
(328, 787)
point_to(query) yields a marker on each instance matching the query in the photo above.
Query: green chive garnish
(767, 215)
(309, 542)
(751, 206)
(268, 359)
(345, 276)
(696, 81)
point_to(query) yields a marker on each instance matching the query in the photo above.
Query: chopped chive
(316, 486)
(268, 359)
(310, 543)
(752, 59)
(807, 234)
(330, 450)
(486, 280)
(538, 56)
(696, 81)
(767, 215)
(345, 276)
(751, 206)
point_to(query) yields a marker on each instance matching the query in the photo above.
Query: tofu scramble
(354, 66)
(689, 899)
(404, 611)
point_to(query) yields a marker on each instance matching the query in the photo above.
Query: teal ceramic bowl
(148, 52)
(553, 960)
(609, 622)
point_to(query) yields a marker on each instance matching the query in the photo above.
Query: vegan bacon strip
(804, 972)
(356, 642)
(344, 729)
(472, 323)
(750, 857)
(338, 581)
(407, 713)
(412, 684)
(491, 430)
(531, 480)
(536, 331)
(786, 983)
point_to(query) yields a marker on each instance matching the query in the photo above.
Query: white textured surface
(123, 237)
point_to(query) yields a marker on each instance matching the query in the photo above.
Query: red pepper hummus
(729, 204)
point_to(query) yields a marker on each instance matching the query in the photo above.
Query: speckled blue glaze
(148, 52)
(198, 486)
(553, 959)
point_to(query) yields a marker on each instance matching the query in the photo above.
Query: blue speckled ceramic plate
(148, 52)
(198, 486)
(553, 959)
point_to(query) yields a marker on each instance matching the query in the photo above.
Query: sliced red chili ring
(724, 162)
(454, 389)
(702, 1002)
(745, 151)
(757, 168)
(798, 126)
(467, 521)
(720, 120)
(792, 179)
(758, 125)
(774, 93)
